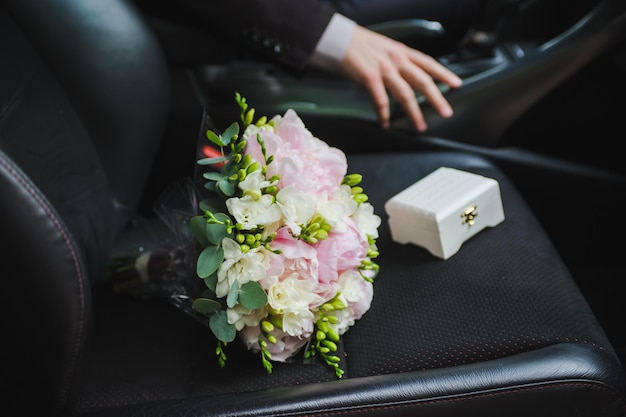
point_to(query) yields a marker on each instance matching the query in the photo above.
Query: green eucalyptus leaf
(206, 305)
(198, 229)
(213, 176)
(233, 295)
(211, 161)
(252, 295)
(213, 205)
(226, 187)
(211, 281)
(209, 261)
(220, 327)
(216, 232)
(216, 139)
(207, 293)
(230, 133)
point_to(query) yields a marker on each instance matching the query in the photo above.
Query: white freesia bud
(251, 213)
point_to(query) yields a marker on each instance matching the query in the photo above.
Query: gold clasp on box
(468, 215)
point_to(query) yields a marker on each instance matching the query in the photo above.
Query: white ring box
(444, 209)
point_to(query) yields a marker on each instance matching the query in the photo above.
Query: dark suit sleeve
(285, 31)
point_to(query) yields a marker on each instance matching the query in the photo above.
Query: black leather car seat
(499, 329)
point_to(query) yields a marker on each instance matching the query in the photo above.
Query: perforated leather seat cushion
(505, 292)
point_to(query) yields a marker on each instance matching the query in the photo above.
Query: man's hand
(381, 64)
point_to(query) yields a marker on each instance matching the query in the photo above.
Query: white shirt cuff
(333, 43)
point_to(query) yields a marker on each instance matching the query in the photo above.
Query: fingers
(403, 92)
(384, 66)
(413, 70)
(378, 92)
(420, 79)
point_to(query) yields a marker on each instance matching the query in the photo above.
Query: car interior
(103, 103)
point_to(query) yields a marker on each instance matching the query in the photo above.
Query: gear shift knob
(483, 33)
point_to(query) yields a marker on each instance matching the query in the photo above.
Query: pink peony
(300, 158)
(345, 250)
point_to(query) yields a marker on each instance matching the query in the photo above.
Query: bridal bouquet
(285, 242)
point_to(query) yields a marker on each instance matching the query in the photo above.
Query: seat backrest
(125, 111)
(74, 157)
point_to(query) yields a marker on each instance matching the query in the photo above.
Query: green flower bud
(240, 145)
(241, 175)
(272, 189)
(327, 307)
(277, 322)
(320, 335)
(333, 359)
(324, 350)
(352, 179)
(360, 198)
(323, 326)
(332, 335)
(333, 319)
(245, 248)
(321, 234)
(271, 338)
(253, 167)
(249, 117)
(240, 238)
(237, 158)
(330, 345)
(262, 121)
(267, 326)
(250, 239)
(247, 160)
